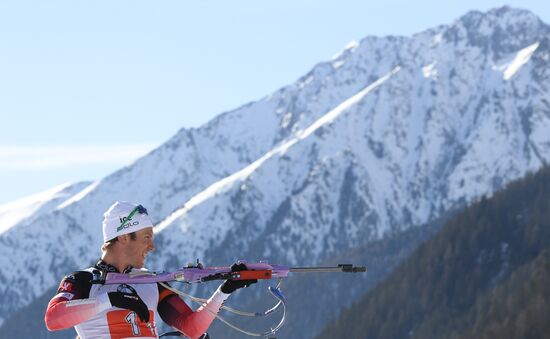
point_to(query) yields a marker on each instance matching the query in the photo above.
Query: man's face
(138, 249)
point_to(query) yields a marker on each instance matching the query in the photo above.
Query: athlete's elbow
(51, 323)
(55, 326)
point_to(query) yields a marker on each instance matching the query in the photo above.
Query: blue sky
(88, 86)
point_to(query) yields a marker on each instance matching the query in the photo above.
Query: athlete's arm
(72, 305)
(63, 313)
(177, 314)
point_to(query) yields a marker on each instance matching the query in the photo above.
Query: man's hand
(130, 301)
(230, 286)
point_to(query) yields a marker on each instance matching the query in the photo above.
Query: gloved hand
(230, 286)
(130, 301)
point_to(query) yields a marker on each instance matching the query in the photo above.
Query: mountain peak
(504, 16)
(497, 32)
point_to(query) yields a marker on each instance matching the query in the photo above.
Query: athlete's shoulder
(77, 284)
(79, 276)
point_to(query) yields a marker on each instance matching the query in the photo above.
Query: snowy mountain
(391, 133)
(30, 208)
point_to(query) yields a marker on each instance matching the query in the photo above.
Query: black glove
(230, 286)
(130, 301)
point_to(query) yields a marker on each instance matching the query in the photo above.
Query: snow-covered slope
(451, 125)
(391, 133)
(30, 208)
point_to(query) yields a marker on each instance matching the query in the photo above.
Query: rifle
(198, 273)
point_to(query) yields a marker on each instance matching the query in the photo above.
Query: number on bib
(125, 323)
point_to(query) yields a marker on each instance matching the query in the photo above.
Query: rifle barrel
(340, 268)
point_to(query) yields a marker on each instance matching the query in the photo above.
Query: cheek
(136, 250)
(133, 251)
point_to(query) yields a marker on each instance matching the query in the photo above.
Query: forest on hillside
(486, 274)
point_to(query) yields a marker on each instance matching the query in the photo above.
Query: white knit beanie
(123, 218)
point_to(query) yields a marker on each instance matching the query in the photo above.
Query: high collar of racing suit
(103, 266)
